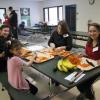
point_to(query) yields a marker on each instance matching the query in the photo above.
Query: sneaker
(33, 89)
(55, 83)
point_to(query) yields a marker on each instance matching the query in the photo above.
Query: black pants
(86, 88)
(14, 32)
(33, 89)
(3, 64)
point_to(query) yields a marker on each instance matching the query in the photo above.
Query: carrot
(84, 65)
(74, 60)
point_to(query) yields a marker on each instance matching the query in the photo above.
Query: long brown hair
(97, 26)
(64, 27)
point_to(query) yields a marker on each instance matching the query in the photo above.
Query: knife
(90, 63)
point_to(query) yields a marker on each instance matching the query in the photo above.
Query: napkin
(72, 75)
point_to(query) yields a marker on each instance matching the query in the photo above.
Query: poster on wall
(25, 15)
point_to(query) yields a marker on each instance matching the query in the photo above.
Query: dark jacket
(61, 40)
(13, 19)
(4, 47)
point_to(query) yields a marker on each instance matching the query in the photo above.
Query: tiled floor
(42, 82)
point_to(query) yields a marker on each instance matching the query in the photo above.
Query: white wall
(85, 11)
(17, 4)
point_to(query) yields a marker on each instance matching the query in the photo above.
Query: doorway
(70, 16)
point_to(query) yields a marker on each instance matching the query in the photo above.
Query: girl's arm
(29, 63)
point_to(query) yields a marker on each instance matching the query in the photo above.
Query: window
(46, 15)
(60, 13)
(52, 15)
(2, 12)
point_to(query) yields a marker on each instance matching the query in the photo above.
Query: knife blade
(89, 62)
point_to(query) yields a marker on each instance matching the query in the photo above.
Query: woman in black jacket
(61, 37)
(5, 42)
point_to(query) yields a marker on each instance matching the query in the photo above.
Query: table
(33, 29)
(47, 68)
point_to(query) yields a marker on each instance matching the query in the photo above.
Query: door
(70, 16)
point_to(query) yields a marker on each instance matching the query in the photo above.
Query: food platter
(55, 52)
(87, 64)
(42, 57)
(26, 54)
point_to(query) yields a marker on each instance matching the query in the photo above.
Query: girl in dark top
(5, 42)
(61, 37)
(93, 52)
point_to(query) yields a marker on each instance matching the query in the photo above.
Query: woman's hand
(9, 42)
(98, 62)
(79, 55)
(2, 54)
(60, 48)
(52, 45)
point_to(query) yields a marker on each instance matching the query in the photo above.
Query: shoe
(33, 89)
(55, 83)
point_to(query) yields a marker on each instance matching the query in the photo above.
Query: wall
(85, 11)
(17, 4)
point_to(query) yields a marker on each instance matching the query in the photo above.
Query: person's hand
(98, 62)
(32, 59)
(2, 54)
(9, 42)
(60, 48)
(35, 55)
(79, 55)
(52, 45)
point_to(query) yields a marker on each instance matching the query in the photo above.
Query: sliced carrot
(84, 65)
